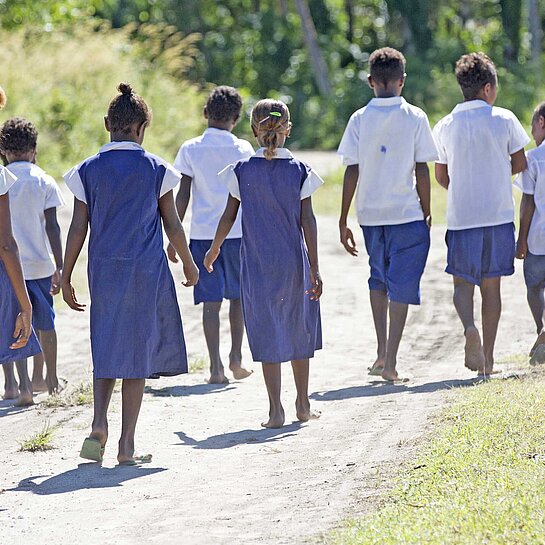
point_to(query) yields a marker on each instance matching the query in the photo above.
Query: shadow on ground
(186, 391)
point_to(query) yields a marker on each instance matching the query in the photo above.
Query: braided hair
(270, 120)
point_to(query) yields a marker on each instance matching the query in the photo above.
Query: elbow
(8, 246)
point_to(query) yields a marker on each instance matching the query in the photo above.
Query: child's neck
(123, 137)
(221, 125)
(387, 92)
(27, 157)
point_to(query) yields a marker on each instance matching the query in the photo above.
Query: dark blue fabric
(43, 314)
(534, 270)
(397, 258)
(9, 309)
(136, 328)
(224, 281)
(482, 252)
(282, 323)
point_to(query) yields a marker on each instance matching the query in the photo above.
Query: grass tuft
(198, 364)
(39, 442)
(81, 395)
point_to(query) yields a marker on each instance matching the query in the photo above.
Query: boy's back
(34, 192)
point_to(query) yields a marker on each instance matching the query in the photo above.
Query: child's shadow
(7, 407)
(186, 391)
(232, 439)
(86, 476)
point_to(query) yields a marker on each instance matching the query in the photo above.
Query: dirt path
(216, 476)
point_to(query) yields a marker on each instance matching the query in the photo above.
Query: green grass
(198, 364)
(81, 395)
(479, 480)
(39, 442)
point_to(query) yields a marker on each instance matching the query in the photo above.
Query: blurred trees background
(310, 53)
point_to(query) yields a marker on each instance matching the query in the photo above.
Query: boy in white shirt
(531, 239)
(200, 160)
(386, 146)
(33, 205)
(480, 146)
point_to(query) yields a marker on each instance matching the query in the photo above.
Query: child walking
(17, 339)
(280, 279)
(123, 193)
(480, 146)
(385, 147)
(33, 203)
(531, 242)
(199, 160)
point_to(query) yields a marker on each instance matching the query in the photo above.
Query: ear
(288, 132)
(33, 160)
(487, 89)
(370, 81)
(254, 131)
(402, 81)
(541, 122)
(141, 129)
(205, 112)
(106, 123)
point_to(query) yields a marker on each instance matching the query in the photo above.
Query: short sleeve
(517, 135)
(311, 184)
(73, 181)
(349, 146)
(53, 195)
(228, 177)
(526, 180)
(441, 151)
(425, 149)
(182, 162)
(171, 179)
(7, 179)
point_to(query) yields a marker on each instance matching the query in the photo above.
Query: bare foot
(540, 340)
(11, 393)
(305, 413)
(57, 387)
(134, 460)
(239, 372)
(276, 420)
(39, 385)
(99, 434)
(474, 356)
(24, 399)
(376, 369)
(392, 376)
(218, 379)
(488, 369)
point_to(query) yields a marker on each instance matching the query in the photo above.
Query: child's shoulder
(413, 110)
(536, 154)
(157, 160)
(503, 113)
(40, 175)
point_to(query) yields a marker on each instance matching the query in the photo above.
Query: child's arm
(527, 207)
(224, 226)
(74, 243)
(518, 162)
(10, 257)
(182, 202)
(350, 183)
(441, 175)
(176, 236)
(54, 235)
(308, 223)
(423, 188)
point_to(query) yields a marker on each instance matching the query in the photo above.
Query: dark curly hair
(224, 104)
(473, 72)
(127, 109)
(18, 135)
(386, 65)
(539, 112)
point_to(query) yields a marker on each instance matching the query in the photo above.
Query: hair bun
(125, 89)
(3, 98)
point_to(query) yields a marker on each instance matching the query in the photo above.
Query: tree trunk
(536, 30)
(511, 16)
(317, 61)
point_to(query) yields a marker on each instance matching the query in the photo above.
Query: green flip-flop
(92, 449)
(137, 460)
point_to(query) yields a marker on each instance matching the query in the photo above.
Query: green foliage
(39, 442)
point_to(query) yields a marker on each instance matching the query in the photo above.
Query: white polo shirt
(386, 139)
(532, 182)
(33, 194)
(201, 159)
(476, 141)
(7, 179)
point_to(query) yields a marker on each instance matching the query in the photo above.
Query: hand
(23, 329)
(522, 249)
(56, 282)
(210, 258)
(171, 253)
(428, 221)
(347, 240)
(69, 296)
(317, 286)
(191, 273)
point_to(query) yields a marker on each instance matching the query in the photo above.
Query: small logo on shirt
(383, 149)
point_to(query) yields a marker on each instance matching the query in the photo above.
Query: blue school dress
(9, 306)
(136, 327)
(282, 323)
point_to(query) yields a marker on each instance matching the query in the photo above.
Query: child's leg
(48, 340)
(102, 393)
(132, 393)
(38, 381)
(11, 387)
(211, 326)
(302, 402)
(491, 311)
(398, 317)
(379, 306)
(273, 382)
(536, 302)
(25, 386)
(463, 302)
(236, 322)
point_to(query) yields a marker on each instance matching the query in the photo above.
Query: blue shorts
(224, 281)
(482, 252)
(534, 270)
(43, 315)
(397, 257)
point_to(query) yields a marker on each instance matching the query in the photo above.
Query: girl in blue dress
(280, 280)
(122, 193)
(17, 339)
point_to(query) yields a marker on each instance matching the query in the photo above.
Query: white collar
(20, 165)
(281, 153)
(471, 105)
(389, 101)
(124, 145)
(215, 130)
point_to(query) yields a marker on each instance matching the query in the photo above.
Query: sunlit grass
(38, 442)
